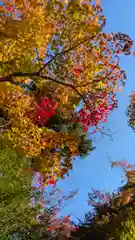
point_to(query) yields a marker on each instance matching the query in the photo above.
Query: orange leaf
(98, 2)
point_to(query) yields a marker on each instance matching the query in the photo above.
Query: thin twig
(102, 78)
(66, 51)
(110, 135)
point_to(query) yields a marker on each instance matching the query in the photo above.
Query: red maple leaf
(77, 71)
(52, 182)
(9, 9)
(43, 112)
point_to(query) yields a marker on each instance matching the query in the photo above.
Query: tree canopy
(55, 58)
(113, 213)
(50, 61)
(16, 212)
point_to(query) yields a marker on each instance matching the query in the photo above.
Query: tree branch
(66, 51)
(110, 135)
(67, 85)
(18, 74)
(37, 74)
(22, 74)
(102, 78)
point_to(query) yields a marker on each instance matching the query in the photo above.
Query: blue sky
(95, 171)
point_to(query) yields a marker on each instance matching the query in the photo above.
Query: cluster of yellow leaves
(24, 133)
(22, 130)
(20, 37)
(79, 21)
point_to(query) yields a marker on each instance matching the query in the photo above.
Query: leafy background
(94, 171)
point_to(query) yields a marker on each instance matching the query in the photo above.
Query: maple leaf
(77, 71)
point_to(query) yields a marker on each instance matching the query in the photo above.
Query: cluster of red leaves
(56, 202)
(94, 114)
(9, 9)
(88, 116)
(51, 180)
(43, 111)
(39, 179)
(40, 182)
(97, 108)
(63, 224)
(77, 71)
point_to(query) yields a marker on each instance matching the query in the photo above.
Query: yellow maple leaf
(101, 84)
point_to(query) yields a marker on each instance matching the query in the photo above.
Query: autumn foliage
(59, 77)
(43, 112)
(131, 111)
(54, 54)
(113, 215)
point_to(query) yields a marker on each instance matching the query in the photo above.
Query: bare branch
(18, 74)
(110, 135)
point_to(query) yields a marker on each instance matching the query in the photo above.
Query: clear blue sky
(95, 171)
